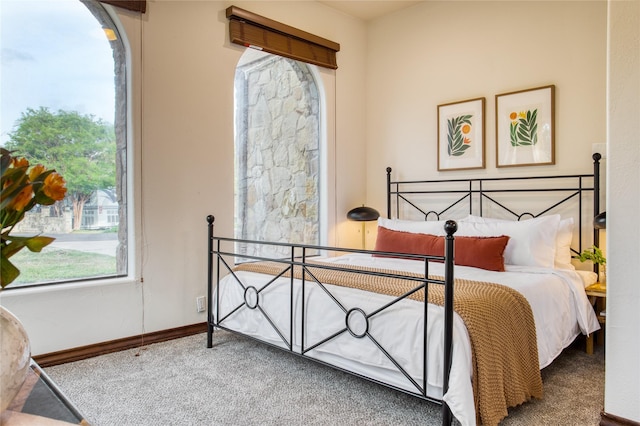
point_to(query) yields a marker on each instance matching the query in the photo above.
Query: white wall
(440, 52)
(183, 71)
(622, 377)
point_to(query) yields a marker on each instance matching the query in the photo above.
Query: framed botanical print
(461, 135)
(525, 125)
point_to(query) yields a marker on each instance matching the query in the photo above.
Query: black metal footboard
(288, 321)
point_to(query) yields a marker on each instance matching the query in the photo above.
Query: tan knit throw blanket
(499, 320)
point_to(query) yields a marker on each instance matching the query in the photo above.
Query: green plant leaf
(524, 131)
(12, 248)
(36, 244)
(8, 272)
(513, 133)
(462, 150)
(594, 254)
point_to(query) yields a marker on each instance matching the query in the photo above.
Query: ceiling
(369, 9)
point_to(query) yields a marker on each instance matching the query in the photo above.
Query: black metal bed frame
(302, 256)
(478, 192)
(221, 261)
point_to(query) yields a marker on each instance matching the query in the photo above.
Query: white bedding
(560, 308)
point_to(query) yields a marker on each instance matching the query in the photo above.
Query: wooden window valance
(135, 5)
(251, 30)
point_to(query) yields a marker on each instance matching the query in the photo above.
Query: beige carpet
(241, 382)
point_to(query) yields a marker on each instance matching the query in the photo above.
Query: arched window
(64, 105)
(277, 150)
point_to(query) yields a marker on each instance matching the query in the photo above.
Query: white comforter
(560, 308)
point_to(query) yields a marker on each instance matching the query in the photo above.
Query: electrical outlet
(201, 303)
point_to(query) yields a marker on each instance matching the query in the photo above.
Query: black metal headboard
(482, 197)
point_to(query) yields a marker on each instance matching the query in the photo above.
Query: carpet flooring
(242, 382)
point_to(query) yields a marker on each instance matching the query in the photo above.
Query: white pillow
(588, 277)
(563, 244)
(532, 242)
(564, 237)
(433, 227)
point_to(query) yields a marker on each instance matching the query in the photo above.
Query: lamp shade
(363, 214)
(600, 221)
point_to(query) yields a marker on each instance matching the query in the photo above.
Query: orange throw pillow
(479, 252)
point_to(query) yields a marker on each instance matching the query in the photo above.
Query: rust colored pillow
(479, 252)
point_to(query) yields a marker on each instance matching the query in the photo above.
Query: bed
(459, 304)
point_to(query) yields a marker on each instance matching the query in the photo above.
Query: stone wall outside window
(277, 152)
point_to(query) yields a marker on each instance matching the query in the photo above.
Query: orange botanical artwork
(458, 128)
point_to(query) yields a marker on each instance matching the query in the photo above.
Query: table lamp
(363, 214)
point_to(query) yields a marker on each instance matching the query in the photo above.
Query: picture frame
(461, 127)
(525, 127)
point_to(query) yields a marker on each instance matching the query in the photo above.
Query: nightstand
(597, 294)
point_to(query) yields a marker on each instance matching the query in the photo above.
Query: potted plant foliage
(595, 255)
(23, 186)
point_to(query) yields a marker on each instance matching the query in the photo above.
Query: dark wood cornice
(234, 12)
(251, 30)
(135, 5)
(83, 352)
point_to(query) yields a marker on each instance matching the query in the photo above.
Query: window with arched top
(277, 151)
(64, 105)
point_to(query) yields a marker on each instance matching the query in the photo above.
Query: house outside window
(277, 152)
(63, 75)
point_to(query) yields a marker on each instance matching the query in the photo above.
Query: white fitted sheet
(560, 308)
